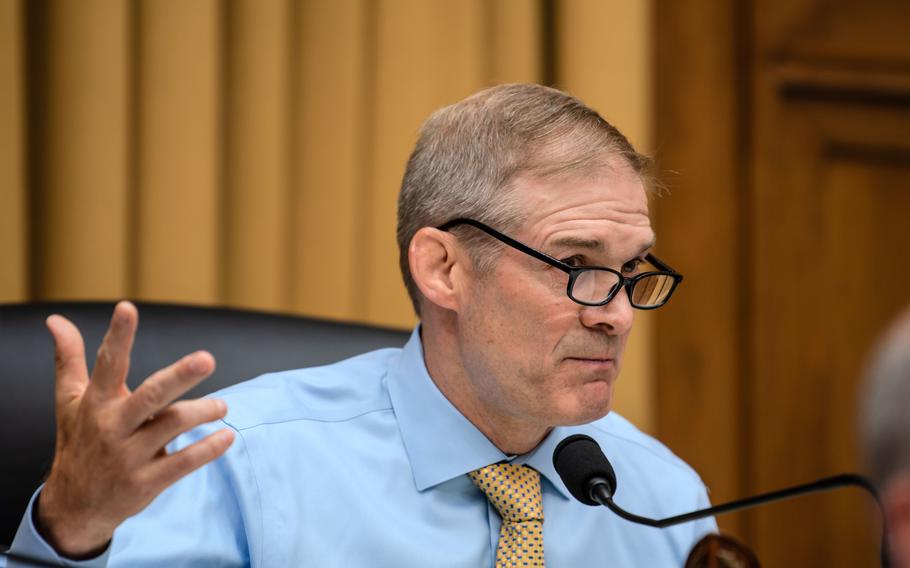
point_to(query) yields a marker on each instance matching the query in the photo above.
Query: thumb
(69, 358)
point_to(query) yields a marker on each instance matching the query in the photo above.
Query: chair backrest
(245, 344)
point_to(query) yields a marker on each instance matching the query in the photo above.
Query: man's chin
(592, 406)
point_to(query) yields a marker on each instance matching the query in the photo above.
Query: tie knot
(513, 489)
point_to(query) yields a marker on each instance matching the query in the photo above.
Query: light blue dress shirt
(362, 464)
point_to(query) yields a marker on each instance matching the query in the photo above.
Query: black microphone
(589, 477)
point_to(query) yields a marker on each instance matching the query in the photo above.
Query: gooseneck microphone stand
(588, 475)
(602, 495)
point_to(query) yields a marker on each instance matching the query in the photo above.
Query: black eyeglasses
(596, 285)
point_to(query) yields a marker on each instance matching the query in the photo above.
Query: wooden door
(808, 243)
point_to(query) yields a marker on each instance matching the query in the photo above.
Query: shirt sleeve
(209, 517)
(29, 549)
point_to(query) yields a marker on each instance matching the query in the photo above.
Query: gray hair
(468, 154)
(885, 421)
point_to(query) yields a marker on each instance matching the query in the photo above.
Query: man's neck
(511, 436)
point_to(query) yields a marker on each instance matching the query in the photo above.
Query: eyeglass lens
(595, 286)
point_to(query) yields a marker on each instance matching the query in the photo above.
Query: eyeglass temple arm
(509, 241)
(661, 265)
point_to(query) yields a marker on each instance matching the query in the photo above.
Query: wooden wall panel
(178, 204)
(13, 219)
(80, 148)
(789, 137)
(256, 235)
(701, 364)
(329, 142)
(832, 161)
(514, 42)
(826, 283)
(621, 86)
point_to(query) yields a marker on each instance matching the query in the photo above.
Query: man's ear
(436, 264)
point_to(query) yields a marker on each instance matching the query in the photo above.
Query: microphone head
(579, 460)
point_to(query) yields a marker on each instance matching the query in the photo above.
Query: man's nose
(615, 318)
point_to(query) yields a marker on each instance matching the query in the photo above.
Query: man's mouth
(592, 360)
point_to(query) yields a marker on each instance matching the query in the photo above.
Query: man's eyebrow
(594, 244)
(577, 242)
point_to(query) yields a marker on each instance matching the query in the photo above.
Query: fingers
(168, 470)
(69, 357)
(164, 386)
(109, 464)
(113, 361)
(174, 420)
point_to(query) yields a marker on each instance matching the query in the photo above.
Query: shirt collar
(541, 457)
(440, 442)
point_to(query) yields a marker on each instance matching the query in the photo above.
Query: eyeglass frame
(574, 271)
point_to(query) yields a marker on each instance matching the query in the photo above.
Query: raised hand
(110, 460)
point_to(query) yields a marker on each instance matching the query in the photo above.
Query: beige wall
(249, 152)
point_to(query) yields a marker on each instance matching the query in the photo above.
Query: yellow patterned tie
(515, 492)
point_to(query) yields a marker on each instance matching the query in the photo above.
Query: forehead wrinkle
(557, 239)
(623, 192)
(554, 231)
(552, 217)
(601, 212)
(611, 209)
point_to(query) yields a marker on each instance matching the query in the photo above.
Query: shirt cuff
(29, 549)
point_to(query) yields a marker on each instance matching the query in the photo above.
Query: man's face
(531, 354)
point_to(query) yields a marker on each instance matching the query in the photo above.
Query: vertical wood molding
(514, 41)
(609, 66)
(332, 84)
(256, 236)
(700, 347)
(82, 147)
(178, 169)
(832, 154)
(13, 213)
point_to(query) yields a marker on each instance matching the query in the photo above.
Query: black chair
(245, 344)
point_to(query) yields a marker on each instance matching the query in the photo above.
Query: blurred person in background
(886, 433)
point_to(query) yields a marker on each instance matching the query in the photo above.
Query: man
(886, 434)
(524, 239)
